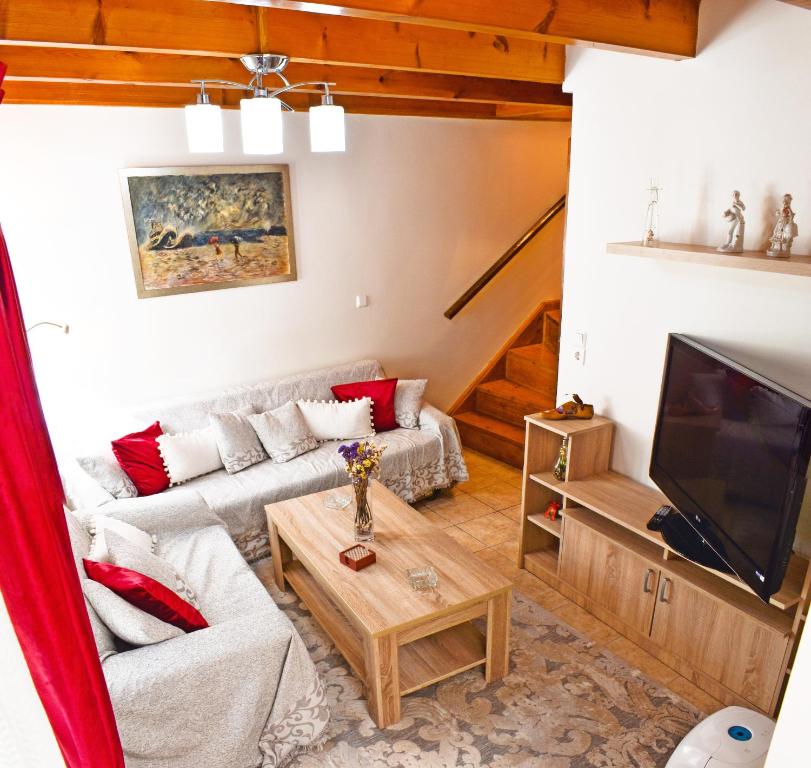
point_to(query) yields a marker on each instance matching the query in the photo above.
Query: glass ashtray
(337, 500)
(422, 579)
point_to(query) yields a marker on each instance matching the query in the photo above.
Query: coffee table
(395, 640)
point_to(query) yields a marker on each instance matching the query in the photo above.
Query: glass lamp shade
(327, 132)
(204, 128)
(261, 119)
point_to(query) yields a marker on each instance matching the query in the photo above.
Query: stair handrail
(504, 259)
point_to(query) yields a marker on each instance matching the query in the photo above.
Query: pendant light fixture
(204, 124)
(261, 112)
(327, 132)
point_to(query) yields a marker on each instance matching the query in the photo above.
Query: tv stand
(686, 541)
(705, 624)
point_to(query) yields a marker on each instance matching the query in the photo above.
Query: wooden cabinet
(725, 643)
(612, 576)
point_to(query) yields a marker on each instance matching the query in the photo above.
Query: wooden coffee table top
(379, 598)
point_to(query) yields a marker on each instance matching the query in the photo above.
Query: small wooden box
(355, 559)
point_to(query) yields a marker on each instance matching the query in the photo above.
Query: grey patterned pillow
(124, 620)
(408, 399)
(107, 472)
(283, 432)
(126, 555)
(237, 443)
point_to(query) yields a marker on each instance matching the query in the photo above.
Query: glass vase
(364, 524)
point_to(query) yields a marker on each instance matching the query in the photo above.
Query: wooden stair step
(491, 436)
(551, 330)
(510, 402)
(535, 366)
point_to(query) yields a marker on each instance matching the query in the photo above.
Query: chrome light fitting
(261, 113)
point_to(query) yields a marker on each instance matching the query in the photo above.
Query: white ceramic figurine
(737, 225)
(785, 230)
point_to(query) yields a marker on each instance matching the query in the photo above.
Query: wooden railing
(505, 259)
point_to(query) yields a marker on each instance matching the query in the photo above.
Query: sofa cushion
(408, 402)
(237, 441)
(283, 432)
(127, 555)
(140, 458)
(331, 420)
(125, 621)
(104, 468)
(381, 393)
(189, 454)
(99, 525)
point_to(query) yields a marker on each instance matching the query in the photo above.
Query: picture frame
(208, 227)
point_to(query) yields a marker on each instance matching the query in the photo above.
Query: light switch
(580, 347)
(361, 300)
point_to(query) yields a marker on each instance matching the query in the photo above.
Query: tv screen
(731, 452)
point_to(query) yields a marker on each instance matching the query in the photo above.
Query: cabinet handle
(646, 586)
(664, 597)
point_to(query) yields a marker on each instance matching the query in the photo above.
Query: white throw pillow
(408, 398)
(97, 525)
(104, 468)
(189, 454)
(238, 444)
(331, 420)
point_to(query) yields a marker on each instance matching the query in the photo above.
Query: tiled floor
(483, 515)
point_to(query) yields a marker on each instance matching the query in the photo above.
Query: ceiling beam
(661, 27)
(114, 67)
(225, 29)
(101, 94)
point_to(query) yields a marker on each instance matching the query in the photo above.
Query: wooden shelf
(552, 526)
(630, 505)
(430, 659)
(567, 427)
(702, 254)
(543, 559)
(423, 662)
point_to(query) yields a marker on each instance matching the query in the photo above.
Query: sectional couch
(416, 461)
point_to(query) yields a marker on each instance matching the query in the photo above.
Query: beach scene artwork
(204, 228)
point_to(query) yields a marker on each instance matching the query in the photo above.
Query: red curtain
(38, 576)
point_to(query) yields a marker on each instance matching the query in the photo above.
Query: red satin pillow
(382, 393)
(140, 458)
(147, 594)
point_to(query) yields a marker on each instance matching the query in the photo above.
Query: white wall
(410, 215)
(736, 117)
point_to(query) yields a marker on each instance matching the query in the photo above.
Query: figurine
(551, 512)
(559, 470)
(785, 230)
(737, 226)
(651, 237)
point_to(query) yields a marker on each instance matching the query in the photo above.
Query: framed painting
(202, 228)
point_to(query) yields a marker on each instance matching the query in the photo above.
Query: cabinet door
(725, 643)
(615, 578)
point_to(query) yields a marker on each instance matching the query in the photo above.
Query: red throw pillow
(147, 594)
(140, 458)
(382, 394)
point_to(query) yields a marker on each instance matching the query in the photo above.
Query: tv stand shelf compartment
(702, 254)
(706, 625)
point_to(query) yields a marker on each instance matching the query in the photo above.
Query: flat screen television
(731, 452)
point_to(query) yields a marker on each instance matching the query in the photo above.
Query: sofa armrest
(444, 427)
(164, 513)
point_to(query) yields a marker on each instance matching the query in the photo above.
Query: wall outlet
(361, 300)
(580, 347)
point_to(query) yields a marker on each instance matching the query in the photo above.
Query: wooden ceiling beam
(114, 67)
(225, 29)
(100, 94)
(661, 27)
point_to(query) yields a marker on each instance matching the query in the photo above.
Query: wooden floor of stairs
(521, 379)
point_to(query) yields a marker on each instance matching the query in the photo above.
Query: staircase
(522, 378)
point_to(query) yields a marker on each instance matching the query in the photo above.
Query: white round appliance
(731, 738)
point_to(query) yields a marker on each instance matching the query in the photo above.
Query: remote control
(655, 523)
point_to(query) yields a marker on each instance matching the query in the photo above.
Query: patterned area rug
(567, 703)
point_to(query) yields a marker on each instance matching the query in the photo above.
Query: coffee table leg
(281, 555)
(498, 637)
(382, 679)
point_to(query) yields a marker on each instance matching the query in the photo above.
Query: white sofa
(241, 693)
(416, 461)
